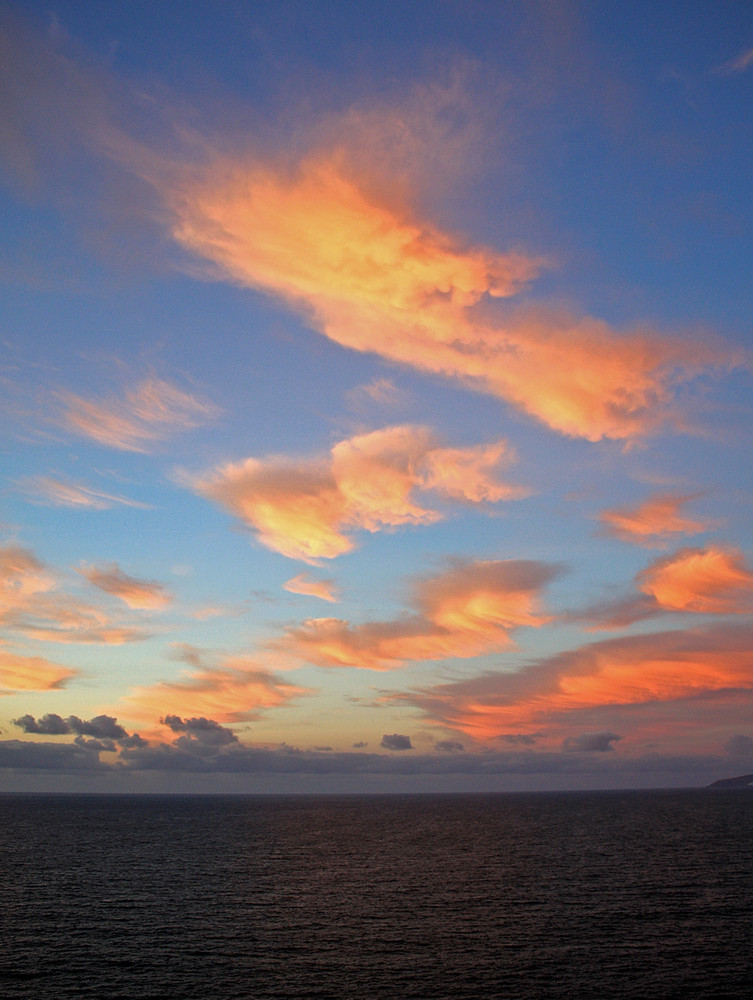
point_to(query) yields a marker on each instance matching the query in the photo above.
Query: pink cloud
(148, 413)
(137, 594)
(653, 521)
(707, 581)
(468, 610)
(303, 584)
(58, 493)
(308, 509)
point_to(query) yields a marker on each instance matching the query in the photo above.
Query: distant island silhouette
(742, 781)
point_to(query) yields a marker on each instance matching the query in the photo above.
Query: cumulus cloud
(146, 414)
(652, 522)
(137, 594)
(469, 609)
(303, 584)
(590, 742)
(658, 669)
(100, 727)
(395, 741)
(308, 509)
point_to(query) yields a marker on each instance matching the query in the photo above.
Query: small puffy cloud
(449, 746)
(309, 509)
(303, 584)
(707, 581)
(31, 673)
(590, 742)
(395, 741)
(469, 609)
(137, 594)
(49, 725)
(59, 493)
(146, 414)
(652, 522)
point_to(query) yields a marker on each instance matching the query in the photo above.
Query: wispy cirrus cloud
(657, 670)
(309, 508)
(654, 521)
(303, 584)
(48, 491)
(137, 594)
(469, 609)
(146, 414)
(740, 63)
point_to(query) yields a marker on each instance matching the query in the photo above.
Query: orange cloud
(652, 521)
(32, 605)
(638, 670)
(137, 594)
(151, 411)
(302, 584)
(308, 509)
(708, 581)
(31, 673)
(237, 690)
(375, 279)
(468, 610)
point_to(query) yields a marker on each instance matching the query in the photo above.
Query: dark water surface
(577, 895)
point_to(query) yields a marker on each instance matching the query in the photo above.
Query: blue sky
(376, 392)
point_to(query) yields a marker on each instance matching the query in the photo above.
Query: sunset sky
(375, 393)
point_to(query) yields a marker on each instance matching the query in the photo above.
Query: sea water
(576, 895)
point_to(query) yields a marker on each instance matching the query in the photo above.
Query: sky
(375, 395)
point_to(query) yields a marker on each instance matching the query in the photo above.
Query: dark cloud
(199, 733)
(97, 746)
(360, 745)
(450, 746)
(48, 725)
(521, 739)
(590, 743)
(49, 756)
(396, 742)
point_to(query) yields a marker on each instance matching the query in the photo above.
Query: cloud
(100, 727)
(57, 493)
(374, 278)
(396, 742)
(706, 581)
(469, 609)
(149, 412)
(590, 743)
(137, 594)
(303, 584)
(449, 746)
(32, 604)
(740, 746)
(653, 521)
(236, 690)
(308, 509)
(740, 64)
(660, 668)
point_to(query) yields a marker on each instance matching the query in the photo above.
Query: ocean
(572, 895)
